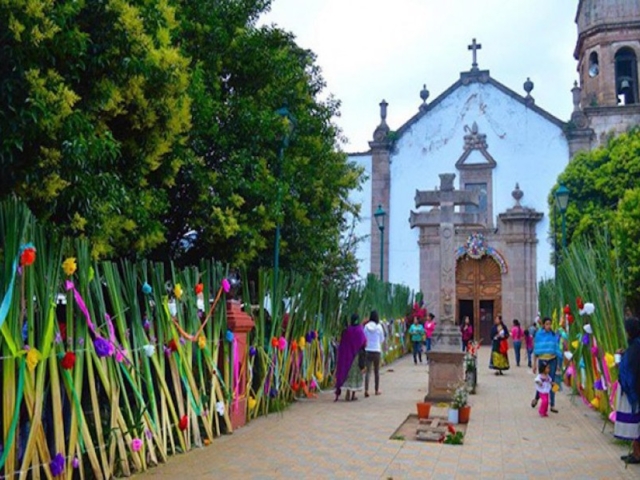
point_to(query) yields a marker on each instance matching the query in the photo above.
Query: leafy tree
(227, 195)
(605, 193)
(93, 113)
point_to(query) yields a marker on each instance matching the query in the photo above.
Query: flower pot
(423, 409)
(464, 413)
(453, 416)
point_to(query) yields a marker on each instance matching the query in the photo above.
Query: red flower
(173, 346)
(199, 288)
(570, 319)
(28, 256)
(274, 342)
(450, 429)
(295, 386)
(294, 345)
(579, 303)
(68, 361)
(567, 310)
(303, 384)
(184, 423)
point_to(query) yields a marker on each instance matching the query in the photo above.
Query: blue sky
(374, 49)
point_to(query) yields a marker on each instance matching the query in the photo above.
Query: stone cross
(474, 47)
(444, 216)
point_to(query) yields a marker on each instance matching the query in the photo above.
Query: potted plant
(424, 408)
(459, 403)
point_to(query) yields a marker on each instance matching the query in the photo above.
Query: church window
(626, 76)
(594, 66)
(482, 207)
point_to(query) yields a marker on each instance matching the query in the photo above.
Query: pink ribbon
(236, 376)
(81, 305)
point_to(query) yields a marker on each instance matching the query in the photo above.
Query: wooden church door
(479, 293)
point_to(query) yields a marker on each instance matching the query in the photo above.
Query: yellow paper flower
(33, 357)
(610, 360)
(575, 344)
(302, 342)
(595, 402)
(252, 403)
(202, 342)
(177, 291)
(69, 266)
(319, 376)
(555, 387)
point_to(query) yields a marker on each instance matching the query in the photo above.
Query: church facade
(507, 150)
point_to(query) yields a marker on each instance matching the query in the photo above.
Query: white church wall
(362, 229)
(527, 147)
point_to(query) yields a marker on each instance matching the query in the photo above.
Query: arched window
(594, 66)
(626, 76)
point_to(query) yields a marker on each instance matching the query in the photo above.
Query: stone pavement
(325, 440)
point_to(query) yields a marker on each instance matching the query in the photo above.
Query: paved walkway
(505, 438)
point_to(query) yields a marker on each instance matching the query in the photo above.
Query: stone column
(240, 323)
(380, 190)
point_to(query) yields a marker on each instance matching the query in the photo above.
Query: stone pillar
(380, 190)
(240, 323)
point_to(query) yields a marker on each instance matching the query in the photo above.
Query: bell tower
(607, 98)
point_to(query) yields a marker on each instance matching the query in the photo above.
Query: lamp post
(562, 201)
(285, 114)
(379, 216)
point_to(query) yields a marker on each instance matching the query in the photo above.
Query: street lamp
(562, 200)
(379, 216)
(289, 119)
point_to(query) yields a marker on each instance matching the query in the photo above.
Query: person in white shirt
(374, 333)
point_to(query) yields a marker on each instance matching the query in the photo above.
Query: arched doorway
(479, 293)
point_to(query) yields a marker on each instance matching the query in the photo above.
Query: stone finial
(576, 91)
(517, 194)
(528, 87)
(382, 130)
(424, 94)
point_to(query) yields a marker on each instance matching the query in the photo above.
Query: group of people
(420, 336)
(359, 352)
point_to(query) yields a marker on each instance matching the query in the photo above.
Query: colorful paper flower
(598, 385)
(28, 255)
(589, 308)
(313, 385)
(199, 288)
(57, 465)
(173, 308)
(609, 360)
(184, 423)
(302, 342)
(252, 402)
(69, 266)
(282, 343)
(146, 324)
(202, 342)
(173, 345)
(567, 310)
(294, 345)
(103, 347)
(75, 463)
(295, 386)
(568, 355)
(612, 417)
(146, 288)
(220, 407)
(570, 371)
(136, 444)
(585, 339)
(33, 357)
(177, 291)
(252, 351)
(595, 403)
(273, 393)
(229, 336)
(226, 286)
(68, 361)
(587, 328)
(570, 319)
(319, 375)
(149, 349)
(579, 303)
(274, 342)
(575, 344)
(594, 351)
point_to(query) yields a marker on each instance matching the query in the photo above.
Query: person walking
(429, 328)
(545, 350)
(499, 346)
(627, 426)
(374, 334)
(416, 332)
(516, 337)
(348, 366)
(543, 387)
(466, 329)
(528, 343)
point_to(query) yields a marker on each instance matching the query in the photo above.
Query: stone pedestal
(447, 338)
(446, 370)
(240, 323)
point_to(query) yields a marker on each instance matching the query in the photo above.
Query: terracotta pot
(423, 409)
(464, 413)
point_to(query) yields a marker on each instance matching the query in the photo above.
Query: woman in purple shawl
(348, 370)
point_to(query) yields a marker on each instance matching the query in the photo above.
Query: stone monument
(446, 359)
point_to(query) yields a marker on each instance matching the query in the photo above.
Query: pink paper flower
(226, 286)
(136, 444)
(282, 343)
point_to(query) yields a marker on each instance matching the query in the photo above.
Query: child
(416, 331)
(543, 386)
(429, 328)
(528, 343)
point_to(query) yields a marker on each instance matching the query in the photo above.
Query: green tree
(226, 196)
(604, 185)
(93, 113)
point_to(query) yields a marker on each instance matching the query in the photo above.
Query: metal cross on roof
(474, 47)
